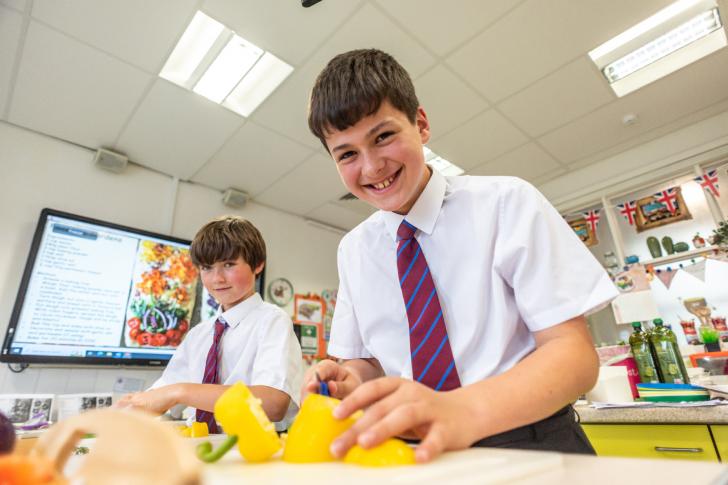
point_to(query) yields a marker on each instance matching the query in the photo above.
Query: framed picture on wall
(308, 308)
(662, 208)
(584, 231)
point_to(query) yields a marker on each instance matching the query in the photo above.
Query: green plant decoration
(720, 235)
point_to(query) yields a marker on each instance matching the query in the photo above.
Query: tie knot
(406, 231)
(220, 326)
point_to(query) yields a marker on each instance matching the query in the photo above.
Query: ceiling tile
(370, 28)
(16, 4)
(311, 184)
(447, 112)
(252, 160)
(425, 19)
(11, 27)
(481, 139)
(176, 131)
(69, 90)
(337, 216)
(356, 205)
(286, 110)
(286, 29)
(688, 90)
(132, 30)
(528, 162)
(570, 92)
(538, 37)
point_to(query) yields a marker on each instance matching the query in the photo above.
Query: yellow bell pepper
(240, 414)
(392, 452)
(314, 429)
(199, 430)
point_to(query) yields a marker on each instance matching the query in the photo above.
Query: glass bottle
(640, 345)
(670, 365)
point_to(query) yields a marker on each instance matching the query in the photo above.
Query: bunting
(709, 181)
(592, 218)
(669, 198)
(628, 210)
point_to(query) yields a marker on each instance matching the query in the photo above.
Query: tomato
(134, 322)
(173, 334)
(144, 338)
(183, 326)
(134, 333)
(159, 339)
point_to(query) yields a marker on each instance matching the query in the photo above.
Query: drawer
(680, 441)
(720, 435)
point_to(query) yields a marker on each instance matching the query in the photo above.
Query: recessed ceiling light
(440, 164)
(215, 62)
(674, 37)
(266, 75)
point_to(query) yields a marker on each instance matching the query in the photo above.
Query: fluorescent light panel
(266, 75)
(196, 41)
(440, 164)
(676, 36)
(216, 63)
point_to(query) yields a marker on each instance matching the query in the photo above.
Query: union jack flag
(669, 198)
(592, 218)
(709, 182)
(628, 210)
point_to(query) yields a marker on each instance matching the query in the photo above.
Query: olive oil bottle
(670, 365)
(640, 345)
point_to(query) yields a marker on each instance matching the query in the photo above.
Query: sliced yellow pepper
(199, 430)
(314, 429)
(392, 452)
(184, 431)
(240, 414)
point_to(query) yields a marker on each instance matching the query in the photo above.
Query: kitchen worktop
(692, 415)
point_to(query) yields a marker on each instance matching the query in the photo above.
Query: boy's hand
(400, 407)
(341, 381)
(155, 401)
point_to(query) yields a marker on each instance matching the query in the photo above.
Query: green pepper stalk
(208, 455)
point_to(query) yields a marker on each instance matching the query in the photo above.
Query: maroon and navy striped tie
(432, 361)
(212, 374)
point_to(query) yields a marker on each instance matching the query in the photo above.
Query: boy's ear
(259, 269)
(423, 125)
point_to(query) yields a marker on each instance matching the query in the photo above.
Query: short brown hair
(353, 85)
(226, 238)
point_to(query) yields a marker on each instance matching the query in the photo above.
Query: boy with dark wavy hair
(460, 318)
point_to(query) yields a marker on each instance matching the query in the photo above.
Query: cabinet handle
(683, 450)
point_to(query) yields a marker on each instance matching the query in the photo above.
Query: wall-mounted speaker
(108, 160)
(234, 198)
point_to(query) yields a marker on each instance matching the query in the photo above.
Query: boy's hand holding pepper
(401, 407)
(340, 379)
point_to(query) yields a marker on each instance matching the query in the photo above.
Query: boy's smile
(229, 282)
(380, 158)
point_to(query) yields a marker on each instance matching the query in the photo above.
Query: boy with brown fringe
(249, 340)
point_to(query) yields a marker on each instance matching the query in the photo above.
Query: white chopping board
(472, 466)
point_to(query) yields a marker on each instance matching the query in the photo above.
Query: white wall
(673, 154)
(37, 171)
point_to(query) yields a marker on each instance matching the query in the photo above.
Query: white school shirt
(504, 263)
(258, 348)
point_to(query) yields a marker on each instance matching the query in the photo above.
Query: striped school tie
(212, 374)
(432, 362)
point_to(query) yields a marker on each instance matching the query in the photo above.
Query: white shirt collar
(236, 314)
(426, 209)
